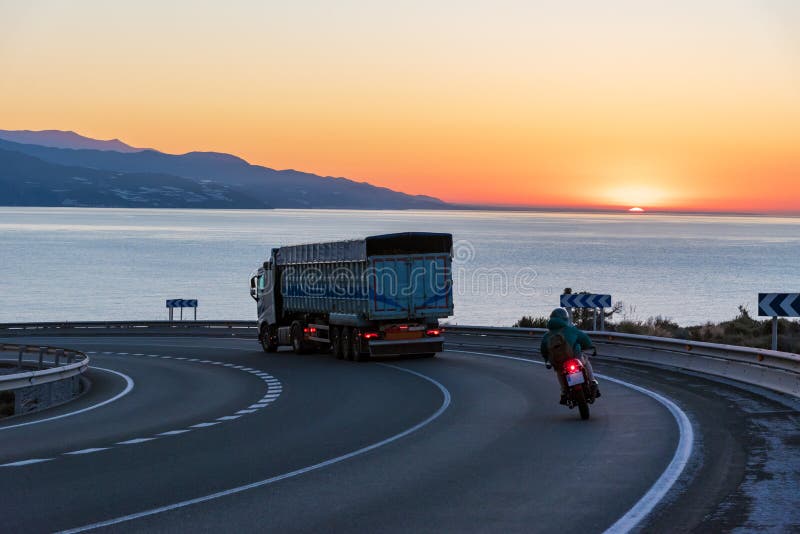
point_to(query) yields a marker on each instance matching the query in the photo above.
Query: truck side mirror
(253, 290)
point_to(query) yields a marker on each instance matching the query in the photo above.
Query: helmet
(560, 313)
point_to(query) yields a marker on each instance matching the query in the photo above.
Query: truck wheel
(346, 343)
(336, 342)
(298, 342)
(355, 349)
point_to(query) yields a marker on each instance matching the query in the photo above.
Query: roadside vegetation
(743, 330)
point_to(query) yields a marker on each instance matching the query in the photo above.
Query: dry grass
(743, 330)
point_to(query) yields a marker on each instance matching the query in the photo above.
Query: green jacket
(574, 336)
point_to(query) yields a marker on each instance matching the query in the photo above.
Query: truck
(379, 296)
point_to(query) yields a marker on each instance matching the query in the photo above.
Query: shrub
(529, 321)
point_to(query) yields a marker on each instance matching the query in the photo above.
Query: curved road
(307, 443)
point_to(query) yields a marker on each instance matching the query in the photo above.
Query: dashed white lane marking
(27, 462)
(134, 441)
(87, 451)
(174, 432)
(668, 478)
(446, 399)
(274, 390)
(128, 388)
(204, 425)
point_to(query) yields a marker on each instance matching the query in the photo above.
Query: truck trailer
(378, 296)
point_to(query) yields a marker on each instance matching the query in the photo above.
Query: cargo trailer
(379, 296)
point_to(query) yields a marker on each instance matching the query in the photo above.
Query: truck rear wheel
(346, 343)
(356, 348)
(336, 342)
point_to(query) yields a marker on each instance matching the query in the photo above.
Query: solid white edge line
(128, 388)
(445, 404)
(669, 477)
(660, 487)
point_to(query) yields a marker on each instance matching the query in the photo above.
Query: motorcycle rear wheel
(583, 406)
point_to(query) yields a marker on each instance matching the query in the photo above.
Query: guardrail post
(41, 355)
(59, 354)
(774, 333)
(21, 352)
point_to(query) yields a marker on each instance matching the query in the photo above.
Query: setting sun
(636, 210)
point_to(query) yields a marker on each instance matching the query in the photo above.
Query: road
(209, 434)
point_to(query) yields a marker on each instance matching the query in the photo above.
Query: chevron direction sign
(575, 300)
(779, 304)
(181, 303)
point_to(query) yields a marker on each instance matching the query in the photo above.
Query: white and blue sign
(181, 303)
(779, 304)
(575, 300)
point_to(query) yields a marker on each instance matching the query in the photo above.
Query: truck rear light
(370, 335)
(309, 330)
(434, 332)
(403, 327)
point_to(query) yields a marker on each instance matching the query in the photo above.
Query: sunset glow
(672, 106)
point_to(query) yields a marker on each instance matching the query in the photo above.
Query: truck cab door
(265, 289)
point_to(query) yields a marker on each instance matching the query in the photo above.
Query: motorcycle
(580, 391)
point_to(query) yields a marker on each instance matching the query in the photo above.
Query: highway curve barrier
(34, 377)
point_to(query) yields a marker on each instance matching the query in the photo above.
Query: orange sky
(671, 105)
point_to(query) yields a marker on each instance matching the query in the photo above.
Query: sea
(86, 264)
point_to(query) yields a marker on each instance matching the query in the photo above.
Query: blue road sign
(779, 304)
(575, 300)
(181, 303)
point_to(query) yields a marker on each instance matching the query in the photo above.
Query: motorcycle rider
(576, 340)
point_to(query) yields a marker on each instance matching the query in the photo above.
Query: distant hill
(62, 139)
(29, 181)
(279, 189)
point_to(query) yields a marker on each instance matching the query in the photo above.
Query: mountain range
(57, 168)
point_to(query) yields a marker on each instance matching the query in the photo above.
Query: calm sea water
(120, 264)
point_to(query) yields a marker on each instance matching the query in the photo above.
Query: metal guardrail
(61, 364)
(774, 370)
(129, 327)
(778, 371)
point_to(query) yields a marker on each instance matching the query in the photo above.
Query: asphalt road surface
(206, 434)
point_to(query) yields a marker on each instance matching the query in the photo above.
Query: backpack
(558, 349)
